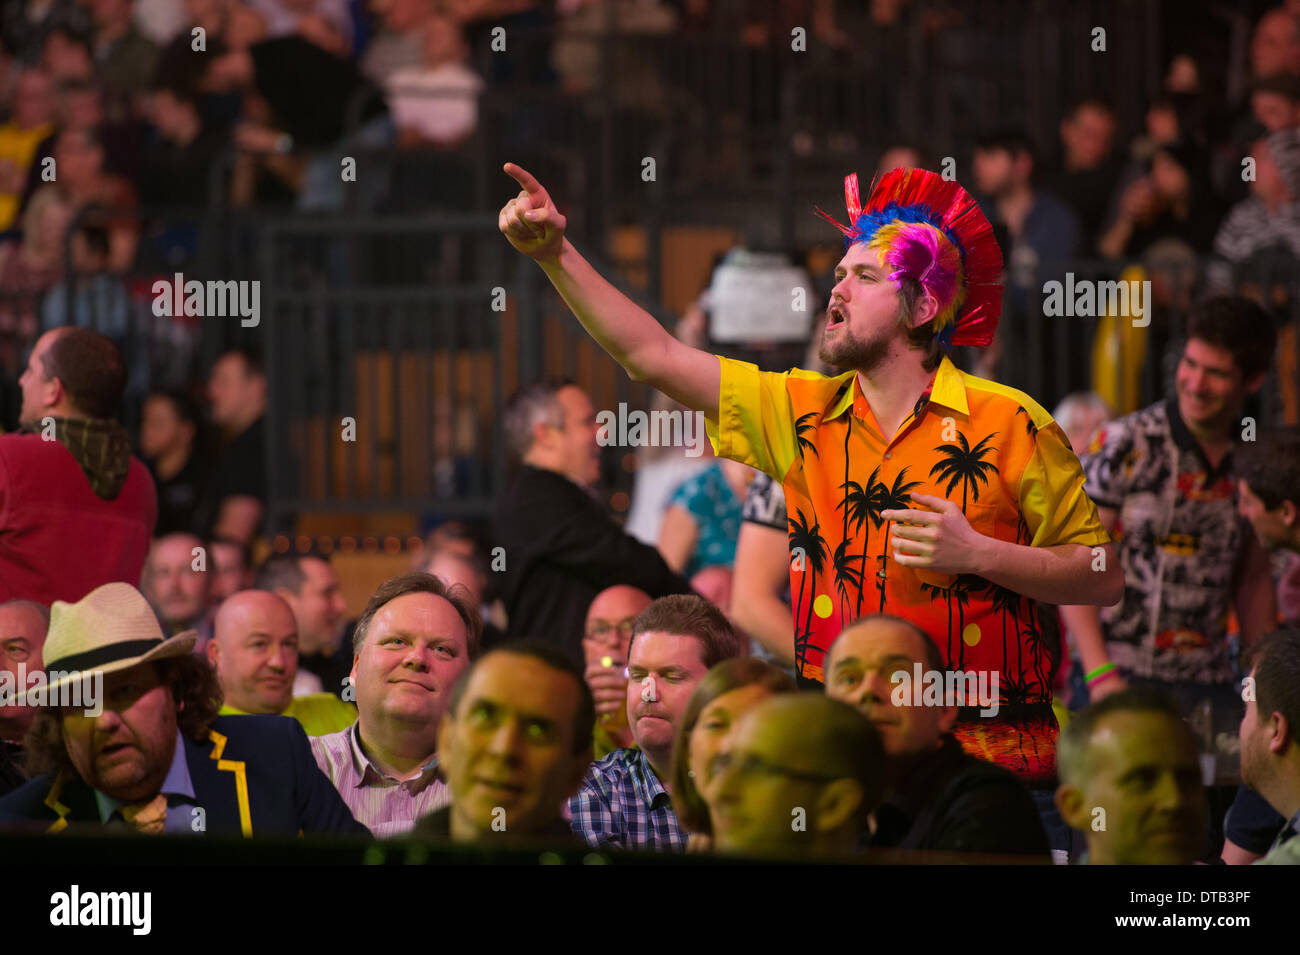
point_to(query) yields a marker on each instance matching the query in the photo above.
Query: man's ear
(1283, 735)
(213, 652)
(1290, 513)
(927, 307)
(1070, 804)
(838, 802)
(541, 436)
(55, 393)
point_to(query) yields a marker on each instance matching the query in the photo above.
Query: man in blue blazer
(128, 736)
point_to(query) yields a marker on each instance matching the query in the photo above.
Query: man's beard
(848, 352)
(1251, 773)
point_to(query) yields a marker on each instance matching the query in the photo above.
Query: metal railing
(391, 324)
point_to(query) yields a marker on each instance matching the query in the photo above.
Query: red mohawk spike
(852, 201)
(917, 195)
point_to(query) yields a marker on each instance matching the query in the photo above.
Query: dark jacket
(283, 793)
(437, 826)
(11, 766)
(561, 550)
(953, 802)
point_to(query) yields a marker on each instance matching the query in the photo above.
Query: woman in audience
(726, 692)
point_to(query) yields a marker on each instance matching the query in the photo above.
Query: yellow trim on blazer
(237, 767)
(52, 800)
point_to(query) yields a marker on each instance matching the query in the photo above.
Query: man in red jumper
(76, 509)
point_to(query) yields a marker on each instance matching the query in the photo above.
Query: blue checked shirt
(622, 805)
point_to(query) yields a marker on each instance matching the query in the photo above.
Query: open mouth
(835, 316)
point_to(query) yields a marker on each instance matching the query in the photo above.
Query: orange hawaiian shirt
(991, 449)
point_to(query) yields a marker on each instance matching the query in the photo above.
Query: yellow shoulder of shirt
(1014, 397)
(319, 713)
(757, 420)
(1053, 499)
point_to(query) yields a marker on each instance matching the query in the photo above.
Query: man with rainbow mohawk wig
(911, 487)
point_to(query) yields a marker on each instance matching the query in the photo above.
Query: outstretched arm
(631, 335)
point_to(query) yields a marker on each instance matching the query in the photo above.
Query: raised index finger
(525, 179)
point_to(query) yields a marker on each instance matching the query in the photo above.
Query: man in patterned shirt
(624, 802)
(910, 486)
(1162, 479)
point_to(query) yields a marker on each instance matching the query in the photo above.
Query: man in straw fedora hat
(157, 758)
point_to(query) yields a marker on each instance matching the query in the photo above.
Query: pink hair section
(921, 252)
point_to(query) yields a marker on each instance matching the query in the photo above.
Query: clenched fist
(530, 220)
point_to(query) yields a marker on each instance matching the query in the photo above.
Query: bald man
(799, 777)
(1131, 781)
(937, 797)
(605, 639)
(22, 635)
(254, 649)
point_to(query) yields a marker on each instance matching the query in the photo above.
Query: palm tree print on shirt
(808, 546)
(802, 425)
(1031, 429)
(965, 465)
(1005, 602)
(895, 498)
(862, 507)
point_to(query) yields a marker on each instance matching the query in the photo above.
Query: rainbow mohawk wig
(928, 228)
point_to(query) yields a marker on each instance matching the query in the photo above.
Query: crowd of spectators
(549, 676)
(584, 694)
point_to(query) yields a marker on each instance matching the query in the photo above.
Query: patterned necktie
(147, 816)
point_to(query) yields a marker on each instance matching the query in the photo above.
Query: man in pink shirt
(412, 643)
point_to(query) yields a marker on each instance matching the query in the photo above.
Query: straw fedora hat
(110, 629)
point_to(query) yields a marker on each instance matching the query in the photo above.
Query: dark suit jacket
(562, 549)
(253, 775)
(954, 802)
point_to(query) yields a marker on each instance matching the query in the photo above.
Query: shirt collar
(1186, 441)
(647, 784)
(177, 782)
(1289, 831)
(368, 772)
(946, 388)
